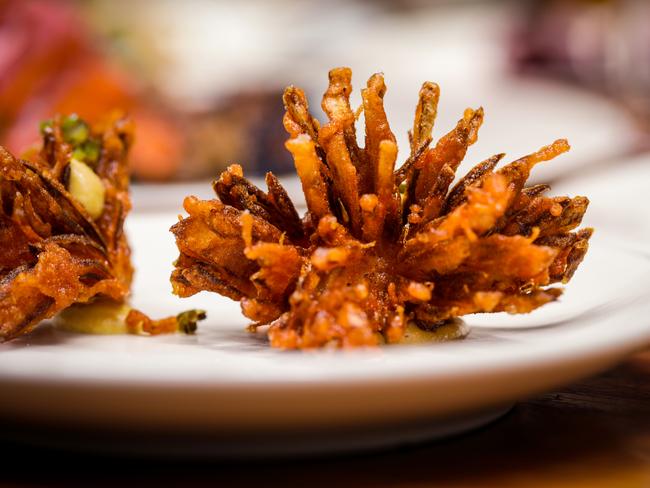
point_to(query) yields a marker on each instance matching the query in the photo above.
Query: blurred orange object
(50, 64)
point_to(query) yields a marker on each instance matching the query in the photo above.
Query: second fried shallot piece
(61, 217)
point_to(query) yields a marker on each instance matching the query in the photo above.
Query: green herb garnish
(88, 152)
(75, 131)
(187, 321)
(45, 126)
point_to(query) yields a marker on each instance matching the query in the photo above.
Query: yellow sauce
(100, 317)
(87, 188)
(451, 330)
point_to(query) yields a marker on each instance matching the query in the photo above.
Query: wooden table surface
(595, 433)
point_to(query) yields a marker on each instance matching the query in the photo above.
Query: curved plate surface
(226, 380)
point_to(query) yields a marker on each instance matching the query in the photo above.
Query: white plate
(228, 388)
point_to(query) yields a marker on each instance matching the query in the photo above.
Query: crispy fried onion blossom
(61, 221)
(379, 247)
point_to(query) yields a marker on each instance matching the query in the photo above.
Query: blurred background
(203, 79)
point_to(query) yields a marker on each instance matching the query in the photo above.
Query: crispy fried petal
(382, 248)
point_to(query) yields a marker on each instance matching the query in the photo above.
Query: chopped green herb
(187, 321)
(75, 131)
(88, 152)
(91, 148)
(45, 125)
(79, 154)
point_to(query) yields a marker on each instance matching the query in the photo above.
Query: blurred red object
(50, 64)
(603, 45)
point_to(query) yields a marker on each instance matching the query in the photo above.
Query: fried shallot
(380, 247)
(63, 208)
